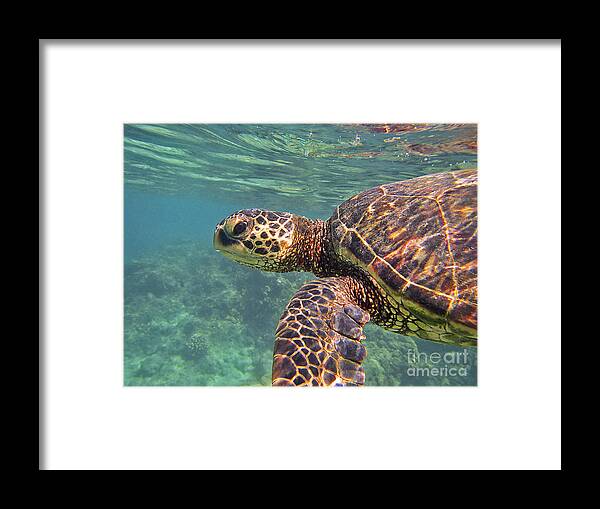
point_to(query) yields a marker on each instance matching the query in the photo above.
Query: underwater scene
(193, 317)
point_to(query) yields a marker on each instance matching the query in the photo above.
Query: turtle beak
(217, 242)
(221, 240)
(224, 244)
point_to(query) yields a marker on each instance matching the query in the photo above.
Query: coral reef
(197, 345)
(194, 318)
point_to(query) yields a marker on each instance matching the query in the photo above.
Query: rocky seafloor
(194, 318)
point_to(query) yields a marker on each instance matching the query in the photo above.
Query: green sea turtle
(403, 255)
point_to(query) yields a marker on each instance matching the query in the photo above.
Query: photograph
(300, 254)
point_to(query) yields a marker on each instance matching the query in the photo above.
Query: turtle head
(259, 238)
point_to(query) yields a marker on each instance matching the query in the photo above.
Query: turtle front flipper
(318, 340)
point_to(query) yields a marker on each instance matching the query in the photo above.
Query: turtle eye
(240, 228)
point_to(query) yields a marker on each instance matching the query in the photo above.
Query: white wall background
(512, 420)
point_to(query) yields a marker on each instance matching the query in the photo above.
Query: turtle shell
(418, 239)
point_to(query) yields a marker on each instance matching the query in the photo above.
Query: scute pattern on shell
(419, 239)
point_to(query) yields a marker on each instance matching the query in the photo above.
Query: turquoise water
(193, 317)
